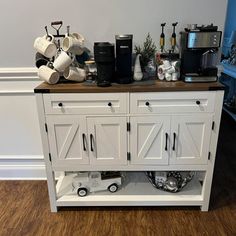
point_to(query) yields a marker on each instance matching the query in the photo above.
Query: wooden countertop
(143, 86)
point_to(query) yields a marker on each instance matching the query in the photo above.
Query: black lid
(169, 56)
(104, 51)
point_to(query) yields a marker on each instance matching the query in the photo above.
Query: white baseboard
(22, 167)
(22, 172)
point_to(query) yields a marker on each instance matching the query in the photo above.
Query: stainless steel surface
(192, 79)
(124, 36)
(204, 39)
(210, 59)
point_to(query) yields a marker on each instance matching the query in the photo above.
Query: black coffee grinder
(124, 58)
(104, 55)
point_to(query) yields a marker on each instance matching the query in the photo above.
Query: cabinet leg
(53, 207)
(51, 189)
(205, 207)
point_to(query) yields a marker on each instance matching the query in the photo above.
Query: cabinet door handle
(147, 104)
(60, 104)
(198, 102)
(174, 137)
(166, 142)
(91, 142)
(84, 141)
(109, 104)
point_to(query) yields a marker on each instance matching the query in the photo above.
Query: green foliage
(147, 51)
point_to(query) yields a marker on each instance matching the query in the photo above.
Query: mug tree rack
(56, 25)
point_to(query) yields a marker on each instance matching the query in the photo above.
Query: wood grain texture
(144, 86)
(25, 210)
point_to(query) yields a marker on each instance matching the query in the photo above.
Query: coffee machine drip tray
(196, 79)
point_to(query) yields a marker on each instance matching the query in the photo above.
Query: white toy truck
(85, 182)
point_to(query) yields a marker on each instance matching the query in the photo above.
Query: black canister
(104, 55)
(124, 58)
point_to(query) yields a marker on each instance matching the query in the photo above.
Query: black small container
(104, 55)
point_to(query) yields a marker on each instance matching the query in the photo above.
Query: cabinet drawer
(86, 103)
(174, 102)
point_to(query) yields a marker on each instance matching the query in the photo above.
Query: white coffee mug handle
(50, 38)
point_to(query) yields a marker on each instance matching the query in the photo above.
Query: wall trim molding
(16, 82)
(19, 74)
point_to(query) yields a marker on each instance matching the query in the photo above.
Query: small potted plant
(147, 52)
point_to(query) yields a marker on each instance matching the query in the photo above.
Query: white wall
(22, 21)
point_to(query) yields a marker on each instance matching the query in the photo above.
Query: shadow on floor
(224, 180)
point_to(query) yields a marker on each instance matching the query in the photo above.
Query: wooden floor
(24, 208)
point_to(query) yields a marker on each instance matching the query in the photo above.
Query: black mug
(40, 60)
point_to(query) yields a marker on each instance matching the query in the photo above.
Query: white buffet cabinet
(132, 132)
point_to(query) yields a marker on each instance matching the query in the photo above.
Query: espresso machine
(200, 54)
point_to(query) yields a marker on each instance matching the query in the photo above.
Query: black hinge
(128, 126)
(50, 158)
(209, 156)
(213, 125)
(128, 156)
(46, 127)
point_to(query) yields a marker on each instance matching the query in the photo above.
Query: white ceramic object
(45, 45)
(75, 74)
(161, 72)
(138, 74)
(167, 64)
(48, 75)
(175, 76)
(62, 62)
(73, 43)
(171, 70)
(176, 64)
(168, 76)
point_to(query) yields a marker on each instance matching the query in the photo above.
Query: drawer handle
(60, 104)
(173, 148)
(84, 141)
(147, 104)
(109, 104)
(198, 102)
(166, 142)
(91, 142)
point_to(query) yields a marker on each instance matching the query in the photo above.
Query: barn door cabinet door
(163, 140)
(107, 140)
(190, 139)
(149, 140)
(68, 140)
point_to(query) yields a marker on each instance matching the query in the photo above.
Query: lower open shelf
(135, 190)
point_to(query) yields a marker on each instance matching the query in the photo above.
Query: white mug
(49, 75)
(171, 70)
(62, 62)
(45, 45)
(161, 72)
(74, 74)
(166, 64)
(73, 43)
(175, 76)
(168, 76)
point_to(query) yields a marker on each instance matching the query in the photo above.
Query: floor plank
(24, 207)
